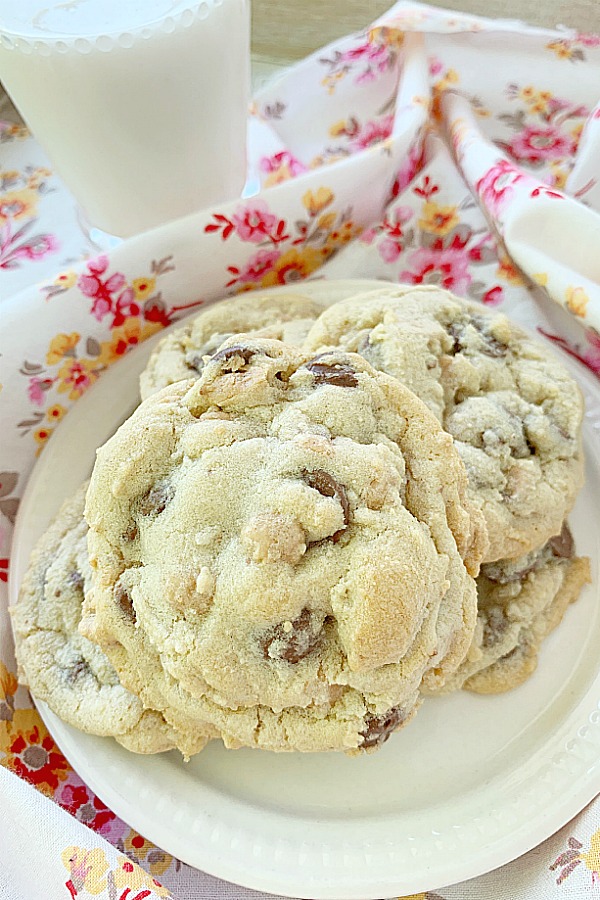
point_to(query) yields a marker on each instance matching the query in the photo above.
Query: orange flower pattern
(30, 752)
(310, 242)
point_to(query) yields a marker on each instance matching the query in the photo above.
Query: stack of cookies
(321, 513)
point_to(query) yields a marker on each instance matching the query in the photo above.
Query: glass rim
(106, 39)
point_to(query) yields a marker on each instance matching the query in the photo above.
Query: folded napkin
(436, 148)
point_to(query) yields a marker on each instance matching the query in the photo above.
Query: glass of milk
(140, 104)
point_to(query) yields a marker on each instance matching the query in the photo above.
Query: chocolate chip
(327, 486)
(456, 334)
(234, 358)
(76, 670)
(155, 501)
(131, 533)
(563, 545)
(337, 374)
(495, 626)
(75, 580)
(498, 575)
(125, 602)
(491, 346)
(294, 643)
(378, 728)
(194, 362)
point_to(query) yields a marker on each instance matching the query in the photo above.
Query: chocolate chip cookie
(519, 603)
(285, 314)
(283, 548)
(63, 668)
(513, 410)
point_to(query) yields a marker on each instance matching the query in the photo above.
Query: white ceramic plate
(471, 784)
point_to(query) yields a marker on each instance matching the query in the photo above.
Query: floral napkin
(436, 148)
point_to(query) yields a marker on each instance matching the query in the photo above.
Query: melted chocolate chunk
(327, 486)
(75, 580)
(378, 728)
(491, 346)
(563, 545)
(155, 501)
(194, 362)
(337, 374)
(125, 602)
(131, 533)
(235, 358)
(295, 643)
(76, 670)
(495, 626)
(498, 576)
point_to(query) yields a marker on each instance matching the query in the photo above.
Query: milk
(141, 106)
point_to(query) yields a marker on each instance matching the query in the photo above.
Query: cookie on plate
(513, 410)
(283, 548)
(520, 602)
(63, 668)
(285, 314)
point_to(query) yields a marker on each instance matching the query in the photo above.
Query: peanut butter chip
(378, 728)
(327, 486)
(337, 374)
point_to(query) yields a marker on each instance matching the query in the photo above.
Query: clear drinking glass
(140, 104)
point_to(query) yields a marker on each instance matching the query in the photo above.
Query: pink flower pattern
(103, 292)
(538, 143)
(373, 133)
(36, 389)
(496, 187)
(447, 267)
(269, 164)
(368, 60)
(257, 266)
(254, 222)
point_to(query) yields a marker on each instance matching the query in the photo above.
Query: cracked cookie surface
(513, 410)
(283, 314)
(63, 668)
(283, 548)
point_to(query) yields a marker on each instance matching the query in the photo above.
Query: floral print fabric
(435, 148)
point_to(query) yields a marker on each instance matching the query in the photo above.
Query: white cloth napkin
(436, 148)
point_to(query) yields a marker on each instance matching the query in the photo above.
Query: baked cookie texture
(283, 549)
(63, 668)
(520, 602)
(285, 544)
(513, 410)
(283, 314)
